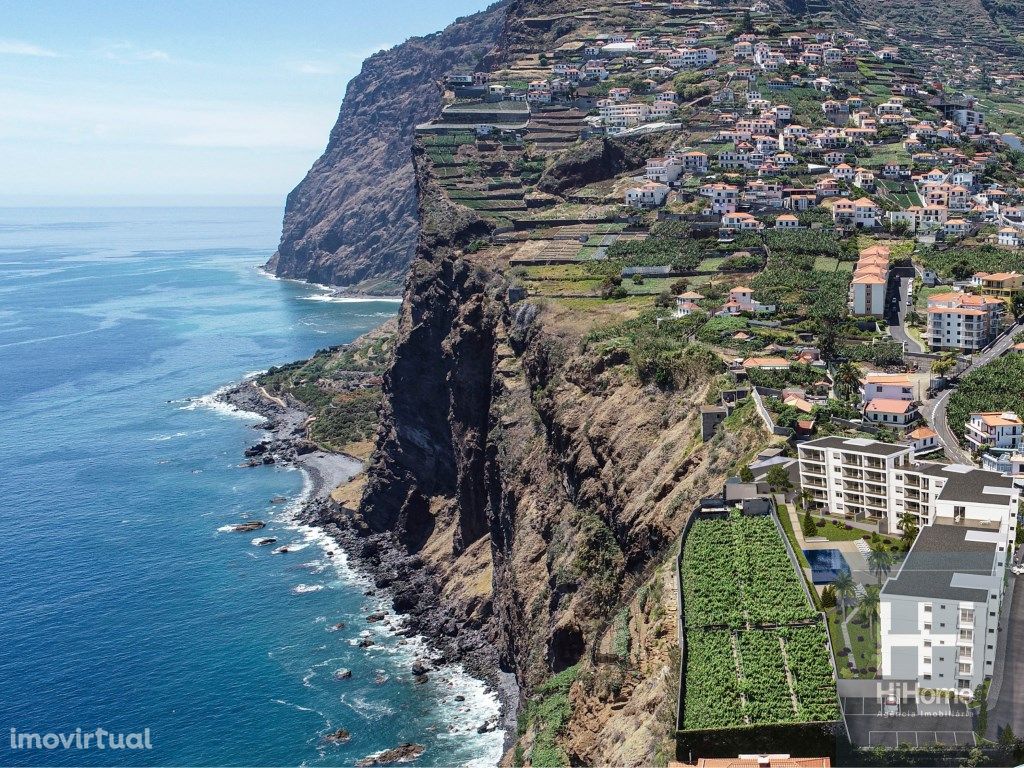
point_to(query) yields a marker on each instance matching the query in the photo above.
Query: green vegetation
(993, 387)
(660, 353)
(736, 572)
(834, 531)
(547, 713)
(963, 261)
(339, 387)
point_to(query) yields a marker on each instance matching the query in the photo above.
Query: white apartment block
(963, 321)
(939, 614)
(875, 483)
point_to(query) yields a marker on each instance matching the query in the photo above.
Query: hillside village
(838, 231)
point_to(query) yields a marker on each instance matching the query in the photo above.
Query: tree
(909, 526)
(946, 363)
(1017, 306)
(847, 381)
(746, 475)
(880, 561)
(869, 606)
(778, 479)
(845, 588)
(828, 597)
(807, 526)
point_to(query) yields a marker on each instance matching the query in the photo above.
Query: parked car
(1018, 569)
(890, 705)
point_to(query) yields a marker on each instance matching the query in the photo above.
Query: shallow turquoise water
(124, 606)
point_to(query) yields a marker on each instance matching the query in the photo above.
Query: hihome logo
(100, 738)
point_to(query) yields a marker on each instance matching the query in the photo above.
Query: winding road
(935, 410)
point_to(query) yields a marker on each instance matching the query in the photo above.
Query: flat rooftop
(969, 484)
(856, 445)
(947, 562)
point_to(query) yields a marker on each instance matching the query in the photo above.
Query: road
(898, 330)
(935, 410)
(1009, 705)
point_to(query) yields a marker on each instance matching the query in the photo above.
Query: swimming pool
(826, 564)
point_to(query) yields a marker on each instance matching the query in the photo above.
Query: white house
(648, 195)
(995, 431)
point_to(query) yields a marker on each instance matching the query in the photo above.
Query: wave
(215, 402)
(165, 438)
(333, 299)
(365, 708)
(302, 589)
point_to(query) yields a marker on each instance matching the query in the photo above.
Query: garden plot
(756, 650)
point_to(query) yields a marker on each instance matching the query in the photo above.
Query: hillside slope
(352, 220)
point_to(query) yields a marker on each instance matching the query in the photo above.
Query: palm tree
(847, 381)
(845, 588)
(880, 561)
(869, 605)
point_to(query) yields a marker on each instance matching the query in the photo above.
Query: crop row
(736, 571)
(742, 678)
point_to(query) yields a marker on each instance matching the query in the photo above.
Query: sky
(178, 101)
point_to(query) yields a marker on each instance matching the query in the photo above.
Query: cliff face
(353, 219)
(537, 485)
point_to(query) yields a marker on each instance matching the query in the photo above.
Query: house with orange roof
(963, 321)
(923, 440)
(1010, 237)
(741, 299)
(1001, 284)
(894, 414)
(886, 386)
(766, 363)
(997, 431)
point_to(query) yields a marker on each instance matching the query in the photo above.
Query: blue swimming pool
(826, 564)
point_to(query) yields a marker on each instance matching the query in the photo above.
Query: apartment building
(963, 321)
(870, 278)
(939, 614)
(875, 483)
(1000, 284)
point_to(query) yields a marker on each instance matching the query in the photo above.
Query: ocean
(125, 605)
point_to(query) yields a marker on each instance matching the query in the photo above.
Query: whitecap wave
(215, 402)
(331, 298)
(302, 589)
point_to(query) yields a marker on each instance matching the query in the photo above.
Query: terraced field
(757, 651)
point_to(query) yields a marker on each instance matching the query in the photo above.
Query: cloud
(21, 48)
(125, 51)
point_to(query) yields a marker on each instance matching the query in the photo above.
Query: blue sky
(161, 100)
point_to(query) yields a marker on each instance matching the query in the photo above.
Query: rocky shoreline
(413, 591)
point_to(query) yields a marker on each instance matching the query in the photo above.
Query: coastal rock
(420, 679)
(376, 616)
(340, 736)
(419, 668)
(342, 674)
(365, 643)
(279, 500)
(399, 754)
(264, 542)
(336, 627)
(248, 527)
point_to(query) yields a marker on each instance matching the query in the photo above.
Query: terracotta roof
(766, 362)
(999, 418)
(886, 405)
(897, 379)
(922, 433)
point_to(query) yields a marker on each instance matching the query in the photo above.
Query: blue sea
(125, 605)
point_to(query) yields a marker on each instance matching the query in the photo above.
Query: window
(928, 608)
(928, 627)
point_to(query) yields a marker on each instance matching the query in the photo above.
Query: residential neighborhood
(837, 232)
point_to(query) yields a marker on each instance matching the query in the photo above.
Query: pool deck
(854, 557)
